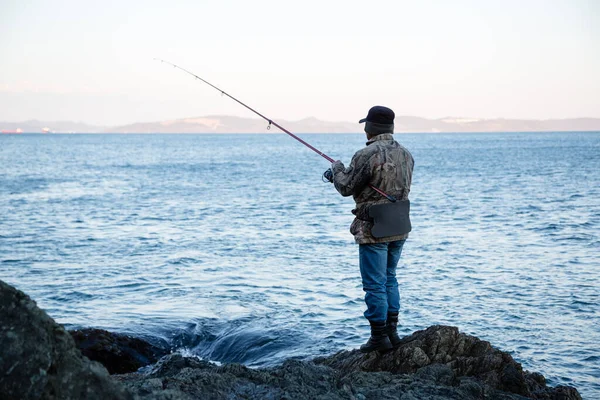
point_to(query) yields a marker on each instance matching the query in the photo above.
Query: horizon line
(448, 117)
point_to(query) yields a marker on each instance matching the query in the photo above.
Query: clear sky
(92, 61)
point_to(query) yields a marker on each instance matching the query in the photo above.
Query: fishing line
(271, 122)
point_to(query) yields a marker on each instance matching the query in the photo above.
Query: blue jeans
(378, 271)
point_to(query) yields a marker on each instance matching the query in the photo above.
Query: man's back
(383, 163)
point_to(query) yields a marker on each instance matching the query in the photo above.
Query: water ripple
(211, 244)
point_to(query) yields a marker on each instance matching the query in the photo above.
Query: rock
(438, 363)
(39, 360)
(177, 378)
(464, 355)
(118, 353)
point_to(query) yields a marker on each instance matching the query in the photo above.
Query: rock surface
(437, 363)
(459, 356)
(38, 358)
(118, 353)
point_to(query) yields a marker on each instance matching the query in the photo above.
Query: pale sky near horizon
(92, 61)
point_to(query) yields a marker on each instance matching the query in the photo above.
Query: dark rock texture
(118, 353)
(39, 360)
(463, 355)
(437, 363)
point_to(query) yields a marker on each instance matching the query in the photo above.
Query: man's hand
(337, 166)
(328, 176)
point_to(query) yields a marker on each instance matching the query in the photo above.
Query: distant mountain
(229, 124)
(516, 125)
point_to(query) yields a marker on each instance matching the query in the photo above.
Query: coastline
(40, 360)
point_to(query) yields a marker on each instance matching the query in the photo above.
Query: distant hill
(229, 124)
(516, 125)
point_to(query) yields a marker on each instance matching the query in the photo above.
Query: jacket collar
(382, 136)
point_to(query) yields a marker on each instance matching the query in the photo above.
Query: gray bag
(390, 219)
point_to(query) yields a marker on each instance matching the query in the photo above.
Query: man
(388, 166)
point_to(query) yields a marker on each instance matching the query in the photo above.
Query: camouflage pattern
(385, 164)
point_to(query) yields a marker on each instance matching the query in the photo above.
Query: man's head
(379, 120)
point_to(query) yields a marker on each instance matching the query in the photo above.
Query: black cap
(379, 115)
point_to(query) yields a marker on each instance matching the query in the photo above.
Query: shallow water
(231, 247)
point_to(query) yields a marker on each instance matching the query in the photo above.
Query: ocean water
(231, 247)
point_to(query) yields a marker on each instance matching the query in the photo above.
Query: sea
(233, 249)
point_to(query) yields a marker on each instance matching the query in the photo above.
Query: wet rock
(118, 353)
(464, 355)
(39, 360)
(296, 380)
(437, 363)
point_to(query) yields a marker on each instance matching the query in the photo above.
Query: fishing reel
(327, 176)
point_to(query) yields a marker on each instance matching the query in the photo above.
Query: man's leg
(393, 294)
(391, 284)
(373, 265)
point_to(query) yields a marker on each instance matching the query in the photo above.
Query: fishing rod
(271, 122)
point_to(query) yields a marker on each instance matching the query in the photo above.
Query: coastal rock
(463, 355)
(39, 360)
(437, 363)
(118, 353)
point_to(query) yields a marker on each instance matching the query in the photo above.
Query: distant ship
(12, 131)
(45, 130)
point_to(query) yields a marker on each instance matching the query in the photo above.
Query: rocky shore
(39, 359)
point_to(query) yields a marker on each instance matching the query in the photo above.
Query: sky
(93, 61)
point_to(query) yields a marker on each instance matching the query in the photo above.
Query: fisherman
(388, 166)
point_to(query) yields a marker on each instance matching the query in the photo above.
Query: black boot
(392, 329)
(379, 340)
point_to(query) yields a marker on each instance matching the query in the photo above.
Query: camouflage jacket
(385, 164)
